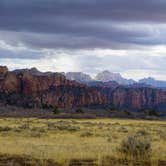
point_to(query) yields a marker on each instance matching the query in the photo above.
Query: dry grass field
(68, 142)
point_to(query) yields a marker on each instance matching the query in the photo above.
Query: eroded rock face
(136, 98)
(10, 84)
(8, 81)
(72, 96)
(52, 89)
(3, 71)
(25, 89)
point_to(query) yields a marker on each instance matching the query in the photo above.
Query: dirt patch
(162, 163)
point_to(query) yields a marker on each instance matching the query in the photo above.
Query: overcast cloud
(125, 36)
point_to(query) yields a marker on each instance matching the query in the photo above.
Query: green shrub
(86, 134)
(152, 113)
(79, 110)
(51, 126)
(142, 132)
(38, 129)
(137, 148)
(127, 112)
(109, 139)
(162, 135)
(56, 110)
(123, 130)
(24, 126)
(36, 134)
(46, 106)
(68, 128)
(5, 128)
(113, 109)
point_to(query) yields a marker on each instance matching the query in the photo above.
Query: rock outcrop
(29, 90)
(137, 98)
(3, 71)
(48, 89)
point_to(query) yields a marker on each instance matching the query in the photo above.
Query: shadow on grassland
(16, 160)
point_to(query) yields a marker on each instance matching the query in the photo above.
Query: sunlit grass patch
(63, 140)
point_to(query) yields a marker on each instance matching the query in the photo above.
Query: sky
(124, 36)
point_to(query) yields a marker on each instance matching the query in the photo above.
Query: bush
(123, 130)
(51, 126)
(6, 128)
(113, 109)
(142, 132)
(47, 106)
(38, 129)
(86, 134)
(152, 113)
(36, 134)
(127, 112)
(56, 110)
(162, 135)
(109, 139)
(68, 128)
(24, 126)
(137, 148)
(79, 110)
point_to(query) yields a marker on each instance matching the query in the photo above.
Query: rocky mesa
(23, 88)
(136, 98)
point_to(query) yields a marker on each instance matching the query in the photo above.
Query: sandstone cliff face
(136, 98)
(51, 89)
(72, 96)
(26, 89)
(3, 70)
(8, 81)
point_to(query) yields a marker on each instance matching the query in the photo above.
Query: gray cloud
(121, 64)
(122, 10)
(8, 54)
(83, 24)
(50, 33)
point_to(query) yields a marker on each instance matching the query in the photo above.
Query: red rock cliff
(51, 89)
(137, 98)
(25, 88)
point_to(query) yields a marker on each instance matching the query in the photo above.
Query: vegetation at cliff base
(56, 110)
(152, 112)
(79, 110)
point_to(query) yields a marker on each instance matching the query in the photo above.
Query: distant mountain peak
(107, 76)
(153, 82)
(78, 76)
(149, 78)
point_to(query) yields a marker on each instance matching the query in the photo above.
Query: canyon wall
(52, 89)
(25, 89)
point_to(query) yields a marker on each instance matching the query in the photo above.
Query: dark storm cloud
(82, 24)
(144, 10)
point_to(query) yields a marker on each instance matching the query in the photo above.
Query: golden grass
(63, 140)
